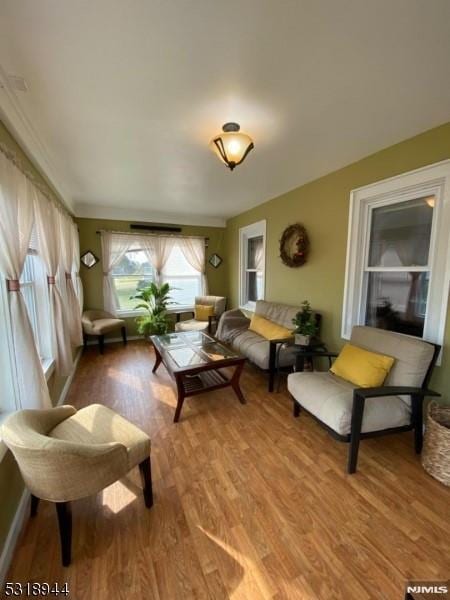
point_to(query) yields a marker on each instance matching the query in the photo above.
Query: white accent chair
(219, 303)
(350, 413)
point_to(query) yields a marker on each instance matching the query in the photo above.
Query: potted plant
(154, 300)
(305, 325)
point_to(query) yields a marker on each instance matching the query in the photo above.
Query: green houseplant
(305, 324)
(154, 300)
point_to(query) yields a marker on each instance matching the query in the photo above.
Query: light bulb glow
(231, 147)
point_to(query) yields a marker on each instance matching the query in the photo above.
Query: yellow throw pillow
(269, 329)
(361, 367)
(203, 311)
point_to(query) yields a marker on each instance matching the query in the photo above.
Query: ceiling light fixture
(232, 146)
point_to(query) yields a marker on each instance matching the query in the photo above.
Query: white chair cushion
(330, 399)
(191, 325)
(257, 349)
(282, 314)
(412, 355)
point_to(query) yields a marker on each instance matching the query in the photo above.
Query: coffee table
(198, 363)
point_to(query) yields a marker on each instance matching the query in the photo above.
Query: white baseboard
(13, 535)
(66, 387)
(112, 340)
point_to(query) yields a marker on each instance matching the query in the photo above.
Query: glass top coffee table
(198, 363)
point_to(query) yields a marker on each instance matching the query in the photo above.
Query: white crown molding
(94, 211)
(12, 113)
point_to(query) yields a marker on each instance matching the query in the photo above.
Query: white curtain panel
(73, 307)
(114, 247)
(194, 252)
(16, 221)
(157, 251)
(49, 249)
(78, 284)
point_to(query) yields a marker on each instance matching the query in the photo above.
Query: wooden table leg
(235, 383)
(158, 360)
(180, 398)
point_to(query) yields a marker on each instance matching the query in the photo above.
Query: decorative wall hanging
(215, 260)
(89, 259)
(294, 246)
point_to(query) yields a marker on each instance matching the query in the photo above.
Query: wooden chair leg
(64, 512)
(34, 505)
(296, 408)
(124, 335)
(417, 421)
(101, 343)
(146, 475)
(355, 433)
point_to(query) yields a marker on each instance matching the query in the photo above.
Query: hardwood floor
(250, 503)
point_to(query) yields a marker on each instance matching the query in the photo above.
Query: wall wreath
(294, 245)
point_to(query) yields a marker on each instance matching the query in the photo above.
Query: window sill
(48, 365)
(137, 313)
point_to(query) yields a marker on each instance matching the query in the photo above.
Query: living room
(224, 254)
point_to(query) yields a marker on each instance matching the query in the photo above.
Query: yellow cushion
(269, 329)
(203, 311)
(361, 367)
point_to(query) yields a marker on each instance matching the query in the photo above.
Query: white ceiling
(124, 96)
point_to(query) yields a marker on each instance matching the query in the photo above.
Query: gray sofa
(234, 330)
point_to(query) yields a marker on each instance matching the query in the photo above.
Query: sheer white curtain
(194, 252)
(73, 307)
(114, 246)
(157, 251)
(16, 221)
(49, 248)
(78, 284)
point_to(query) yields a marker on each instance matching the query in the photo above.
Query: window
(185, 281)
(134, 272)
(397, 258)
(34, 288)
(252, 250)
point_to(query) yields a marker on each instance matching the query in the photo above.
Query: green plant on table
(305, 320)
(154, 299)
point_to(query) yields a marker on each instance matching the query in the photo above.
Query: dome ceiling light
(232, 146)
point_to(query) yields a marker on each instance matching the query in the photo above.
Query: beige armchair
(350, 413)
(98, 323)
(64, 455)
(219, 303)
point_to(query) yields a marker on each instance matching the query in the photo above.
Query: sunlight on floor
(116, 497)
(126, 378)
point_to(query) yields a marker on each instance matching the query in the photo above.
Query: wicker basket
(436, 447)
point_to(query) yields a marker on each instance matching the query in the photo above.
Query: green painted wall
(322, 207)
(92, 278)
(11, 484)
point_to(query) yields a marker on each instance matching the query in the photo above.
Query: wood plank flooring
(250, 503)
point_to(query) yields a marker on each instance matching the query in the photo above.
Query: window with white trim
(397, 272)
(134, 272)
(252, 264)
(131, 274)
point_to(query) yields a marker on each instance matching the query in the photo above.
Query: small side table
(316, 349)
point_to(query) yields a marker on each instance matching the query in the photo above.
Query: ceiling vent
(17, 83)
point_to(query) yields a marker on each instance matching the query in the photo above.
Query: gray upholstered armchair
(100, 322)
(218, 302)
(64, 455)
(350, 413)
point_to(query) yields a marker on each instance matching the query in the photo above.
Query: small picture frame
(88, 259)
(215, 260)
